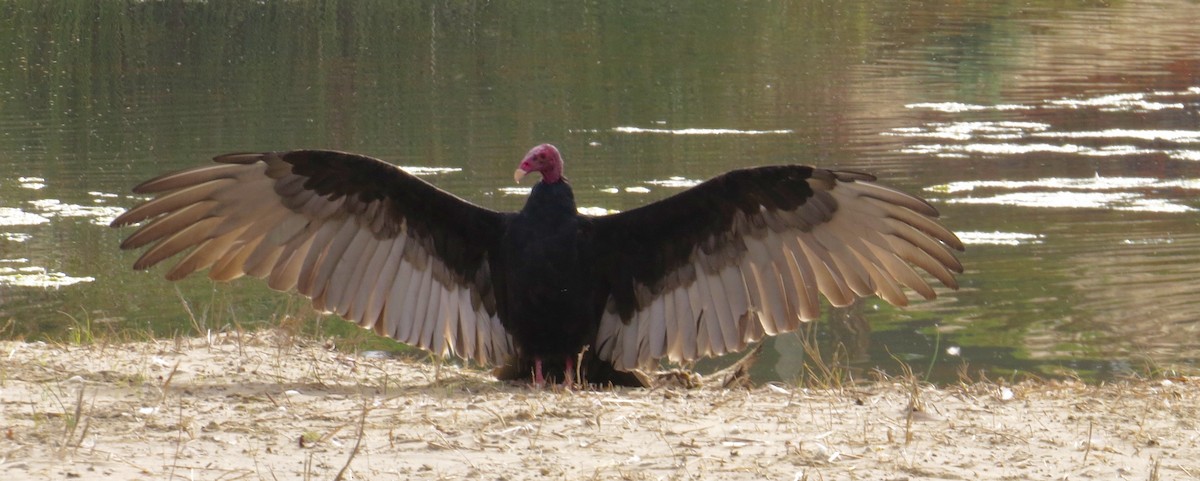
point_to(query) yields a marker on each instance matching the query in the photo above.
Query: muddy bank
(266, 407)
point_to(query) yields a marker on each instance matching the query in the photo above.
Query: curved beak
(519, 174)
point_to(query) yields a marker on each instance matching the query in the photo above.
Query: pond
(1060, 140)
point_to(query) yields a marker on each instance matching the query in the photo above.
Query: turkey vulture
(701, 273)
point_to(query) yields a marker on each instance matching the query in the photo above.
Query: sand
(271, 407)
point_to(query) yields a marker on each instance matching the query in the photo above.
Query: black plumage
(701, 273)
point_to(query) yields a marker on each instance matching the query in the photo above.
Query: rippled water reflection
(1062, 143)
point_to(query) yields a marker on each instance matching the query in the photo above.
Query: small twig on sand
(1088, 450)
(73, 424)
(362, 423)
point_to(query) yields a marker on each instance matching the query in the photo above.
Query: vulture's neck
(551, 200)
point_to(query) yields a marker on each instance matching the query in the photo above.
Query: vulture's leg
(537, 372)
(569, 376)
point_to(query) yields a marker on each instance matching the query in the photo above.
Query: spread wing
(360, 237)
(745, 255)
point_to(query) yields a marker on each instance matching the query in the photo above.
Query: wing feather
(335, 260)
(750, 253)
(380, 298)
(727, 320)
(358, 236)
(400, 311)
(830, 280)
(286, 274)
(683, 346)
(172, 201)
(347, 268)
(703, 333)
(711, 318)
(667, 324)
(807, 289)
(365, 275)
(230, 266)
(168, 224)
(204, 256)
(465, 337)
(420, 299)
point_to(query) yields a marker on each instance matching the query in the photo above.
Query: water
(1060, 140)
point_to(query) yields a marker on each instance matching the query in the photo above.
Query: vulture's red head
(544, 159)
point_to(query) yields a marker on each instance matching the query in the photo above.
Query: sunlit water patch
(596, 211)
(959, 150)
(1180, 136)
(696, 131)
(1083, 183)
(1118, 102)
(32, 183)
(955, 107)
(514, 190)
(1125, 201)
(99, 215)
(1097, 192)
(15, 236)
(416, 170)
(1148, 242)
(1014, 137)
(1193, 155)
(970, 130)
(35, 276)
(10, 216)
(998, 238)
(675, 182)
(1125, 102)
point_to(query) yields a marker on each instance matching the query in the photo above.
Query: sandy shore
(271, 408)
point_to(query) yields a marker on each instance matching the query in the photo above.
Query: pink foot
(538, 379)
(569, 376)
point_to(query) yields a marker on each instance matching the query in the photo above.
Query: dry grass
(274, 406)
